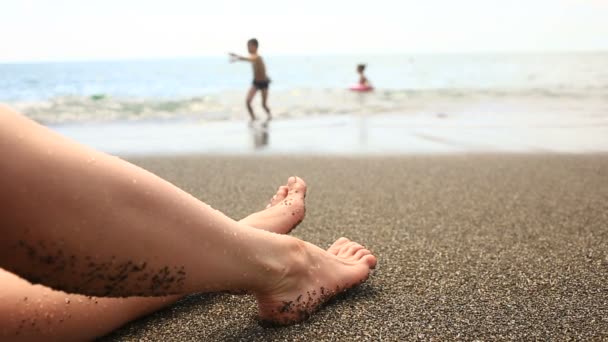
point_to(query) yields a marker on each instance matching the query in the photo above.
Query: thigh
(251, 93)
(264, 95)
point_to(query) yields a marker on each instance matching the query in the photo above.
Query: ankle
(292, 260)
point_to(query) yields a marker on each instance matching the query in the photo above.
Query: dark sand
(469, 247)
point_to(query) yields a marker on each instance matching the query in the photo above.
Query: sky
(43, 30)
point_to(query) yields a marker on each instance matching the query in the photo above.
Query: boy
(260, 79)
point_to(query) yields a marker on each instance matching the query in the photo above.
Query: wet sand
(470, 246)
(486, 131)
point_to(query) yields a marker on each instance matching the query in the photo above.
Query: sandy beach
(464, 143)
(486, 247)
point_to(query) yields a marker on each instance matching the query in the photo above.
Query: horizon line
(294, 54)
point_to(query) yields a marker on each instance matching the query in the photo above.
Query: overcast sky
(33, 30)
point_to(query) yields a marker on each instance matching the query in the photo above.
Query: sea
(494, 90)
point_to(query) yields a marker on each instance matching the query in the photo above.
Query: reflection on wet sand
(259, 133)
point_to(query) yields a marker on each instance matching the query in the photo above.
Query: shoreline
(364, 135)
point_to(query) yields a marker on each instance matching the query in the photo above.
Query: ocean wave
(293, 103)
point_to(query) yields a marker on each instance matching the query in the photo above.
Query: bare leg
(60, 226)
(96, 225)
(31, 308)
(37, 313)
(250, 95)
(264, 102)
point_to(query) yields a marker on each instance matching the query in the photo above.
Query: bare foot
(284, 212)
(315, 277)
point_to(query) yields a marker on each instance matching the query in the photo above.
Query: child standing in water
(363, 81)
(260, 79)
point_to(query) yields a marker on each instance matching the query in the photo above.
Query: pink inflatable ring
(361, 88)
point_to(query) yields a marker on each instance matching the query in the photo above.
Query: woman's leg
(84, 222)
(37, 313)
(30, 309)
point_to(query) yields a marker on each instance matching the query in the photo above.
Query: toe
(291, 181)
(282, 193)
(279, 196)
(361, 253)
(353, 249)
(341, 241)
(296, 186)
(335, 248)
(346, 248)
(370, 260)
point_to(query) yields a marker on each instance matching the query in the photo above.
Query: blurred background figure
(363, 85)
(260, 78)
(363, 81)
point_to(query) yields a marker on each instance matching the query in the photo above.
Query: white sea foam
(308, 102)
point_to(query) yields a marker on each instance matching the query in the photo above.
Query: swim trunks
(261, 85)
